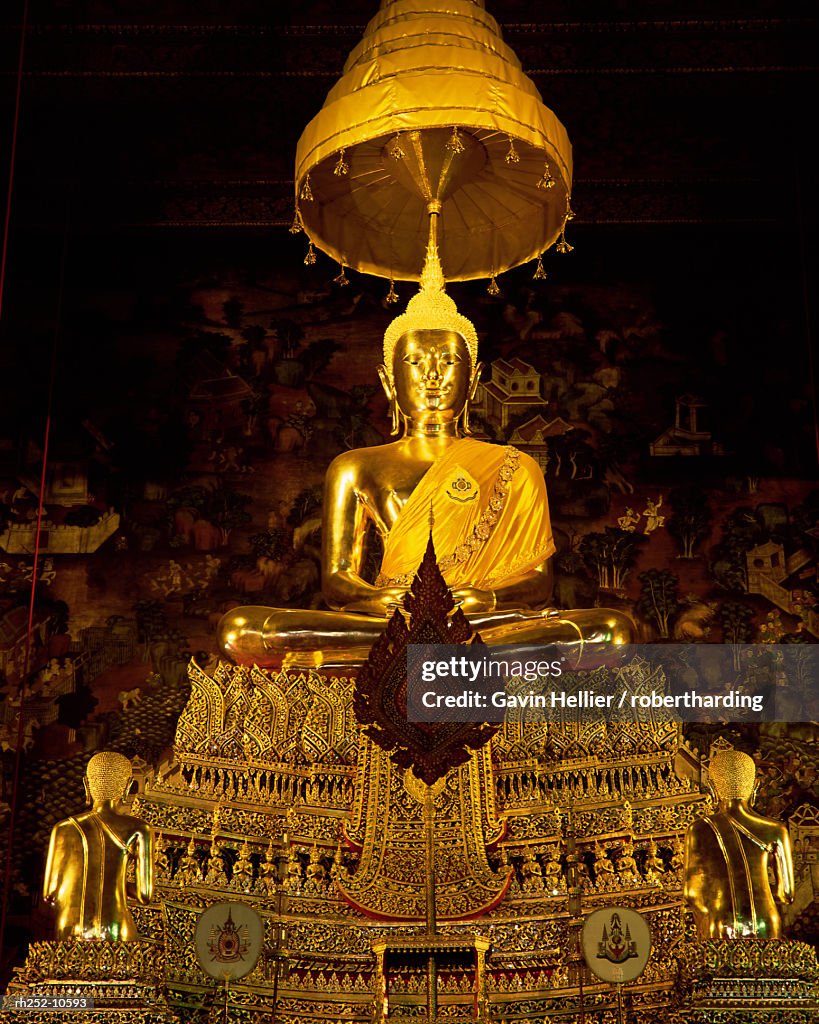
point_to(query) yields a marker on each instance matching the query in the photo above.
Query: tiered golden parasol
(433, 115)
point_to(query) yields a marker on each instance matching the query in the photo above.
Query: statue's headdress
(430, 309)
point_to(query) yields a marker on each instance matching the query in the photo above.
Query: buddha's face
(433, 374)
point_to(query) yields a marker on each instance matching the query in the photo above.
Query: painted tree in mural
(741, 531)
(228, 511)
(690, 520)
(289, 334)
(658, 600)
(573, 456)
(270, 544)
(611, 555)
(736, 620)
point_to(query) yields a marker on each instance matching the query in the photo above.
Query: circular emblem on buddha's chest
(462, 486)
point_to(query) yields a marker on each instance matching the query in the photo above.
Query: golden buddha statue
(88, 856)
(487, 502)
(728, 855)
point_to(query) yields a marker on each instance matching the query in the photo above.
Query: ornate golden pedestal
(275, 767)
(748, 981)
(124, 981)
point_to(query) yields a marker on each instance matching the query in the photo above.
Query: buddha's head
(430, 371)
(732, 774)
(107, 776)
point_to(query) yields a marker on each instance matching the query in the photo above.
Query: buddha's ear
(389, 391)
(383, 376)
(89, 802)
(475, 380)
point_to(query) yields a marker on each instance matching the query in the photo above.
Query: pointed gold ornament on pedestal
(433, 108)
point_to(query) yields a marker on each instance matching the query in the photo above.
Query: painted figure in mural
(629, 521)
(652, 515)
(492, 531)
(88, 857)
(728, 855)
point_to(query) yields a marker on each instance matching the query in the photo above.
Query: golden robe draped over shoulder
(490, 515)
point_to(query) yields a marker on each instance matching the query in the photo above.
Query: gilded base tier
(748, 981)
(123, 981)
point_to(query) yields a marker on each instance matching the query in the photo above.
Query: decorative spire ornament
(539, 274)
(456, 143)
(306, 192)
(342, 280)
(546, 179)
(310, 258)
(392, 295)
(512, 157)
(563, 246)
(430, 308)
(296, 227)
(492, 288)
(342, 167)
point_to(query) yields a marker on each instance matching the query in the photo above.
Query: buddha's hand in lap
(473, 601)
(379, 601)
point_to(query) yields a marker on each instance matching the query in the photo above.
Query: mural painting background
(202, 385)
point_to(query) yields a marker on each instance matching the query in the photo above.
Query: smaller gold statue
(603, 868)
(531, 872)
(553, 871)
(268, 881)
(243, 869)
(315, 869)
(728, 855)
(295, 873)
(88, 857)
(216, 873)
(189, 871)
(162, 858)
(655, 865)
(627, 865)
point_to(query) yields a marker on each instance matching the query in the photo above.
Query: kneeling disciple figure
(88, 856)
(728, 857)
